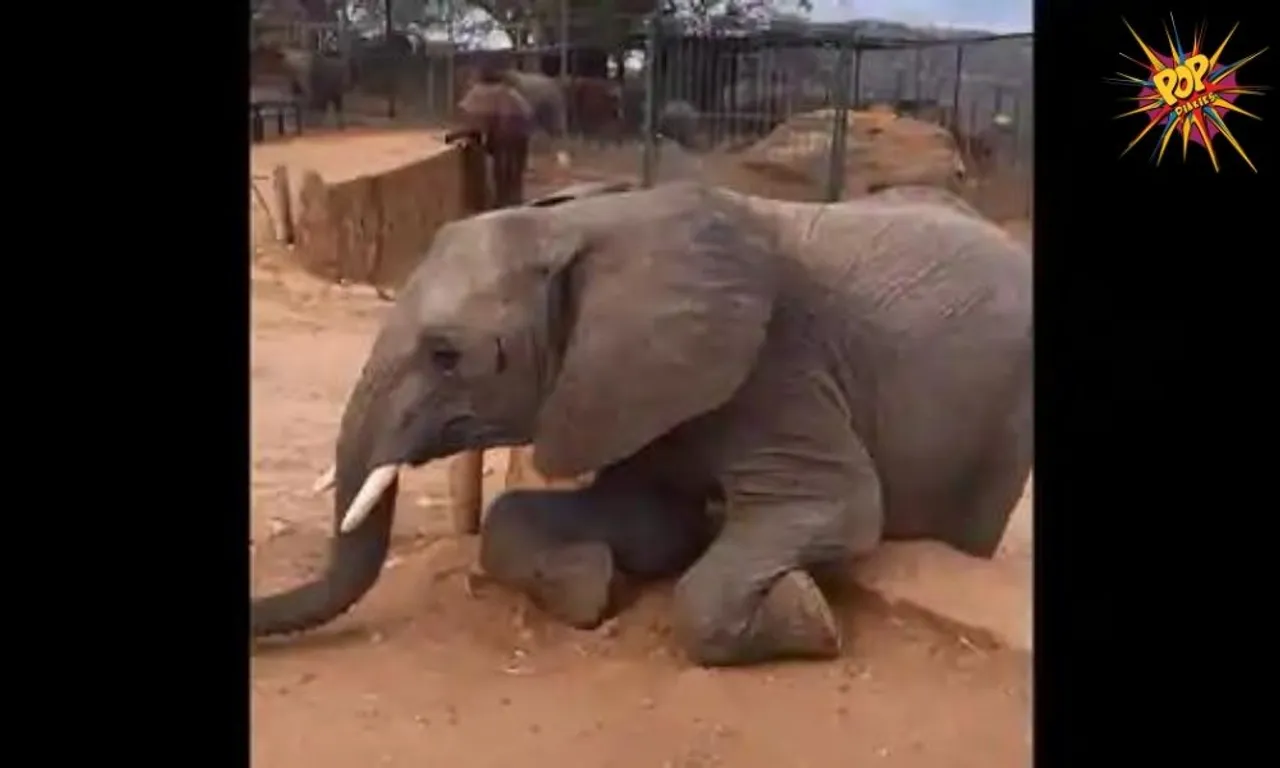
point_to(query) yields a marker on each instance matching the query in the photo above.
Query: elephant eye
(446, 360)
(444, 356)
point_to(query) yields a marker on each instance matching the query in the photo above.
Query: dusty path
(424, 673)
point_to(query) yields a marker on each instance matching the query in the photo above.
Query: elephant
(502, 119)
(920, 193)
(679, 121)
(547, 98)
(831, 376)
(319, 79)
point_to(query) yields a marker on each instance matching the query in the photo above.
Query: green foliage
(600, 22)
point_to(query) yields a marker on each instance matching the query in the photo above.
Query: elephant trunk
(355, 558)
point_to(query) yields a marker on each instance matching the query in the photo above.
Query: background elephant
(836, 374)
(594, 107)
(679, 121)
(502, 119)
(547, 98)
(322, 81)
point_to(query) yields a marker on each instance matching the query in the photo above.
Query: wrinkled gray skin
(839, 374)
(321, 81)
(678, 121)
(920, 193)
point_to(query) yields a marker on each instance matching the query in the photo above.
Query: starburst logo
(1188, 92)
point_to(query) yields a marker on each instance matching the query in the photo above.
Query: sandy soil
(434, 669)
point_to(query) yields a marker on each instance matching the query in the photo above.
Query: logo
(1188, 92)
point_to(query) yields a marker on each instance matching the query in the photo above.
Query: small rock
(646, 703)
(277, 526)
(882, 752)
(535, 728)
(610, 628)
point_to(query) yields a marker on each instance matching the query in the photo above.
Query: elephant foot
(795, 621)
(576, 584)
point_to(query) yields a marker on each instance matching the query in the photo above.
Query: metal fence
(636, 80)
(743, 86)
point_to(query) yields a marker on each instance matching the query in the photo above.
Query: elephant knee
(724, 617)
(511, 535)
(712, 617)
(508, 510)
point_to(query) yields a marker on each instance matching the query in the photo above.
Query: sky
(990, 15)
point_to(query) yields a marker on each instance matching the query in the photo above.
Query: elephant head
(588, 323)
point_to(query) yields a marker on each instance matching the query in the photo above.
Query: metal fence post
(648, 153)
(840, 125)
(856, 100)
(955, 96)
(919, 62)
(386, 54)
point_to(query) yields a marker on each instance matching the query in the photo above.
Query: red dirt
(433, 668)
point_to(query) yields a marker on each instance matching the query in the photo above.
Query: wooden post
(466, 470)
(466, 491)
(284, 204)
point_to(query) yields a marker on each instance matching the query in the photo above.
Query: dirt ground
(431, 669)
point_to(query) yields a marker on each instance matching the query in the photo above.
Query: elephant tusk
(325, 481)
(376, 484)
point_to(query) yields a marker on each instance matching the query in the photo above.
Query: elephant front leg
(751, 597)
(572, 552)
(529, 542)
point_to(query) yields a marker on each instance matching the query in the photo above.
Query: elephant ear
(671, 292)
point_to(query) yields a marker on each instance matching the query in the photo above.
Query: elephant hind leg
(998, 482)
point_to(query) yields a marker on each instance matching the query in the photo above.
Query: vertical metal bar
(840, 126)
(1015, 128)
(571, 117)
(648, 153)
(450, 65)
(564, 41)
(856, 101)
(386, 51)
(919, 57)
(955, 96)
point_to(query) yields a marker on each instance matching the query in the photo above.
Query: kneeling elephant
(836, 374)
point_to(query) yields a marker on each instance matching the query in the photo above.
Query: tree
(597, 22)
